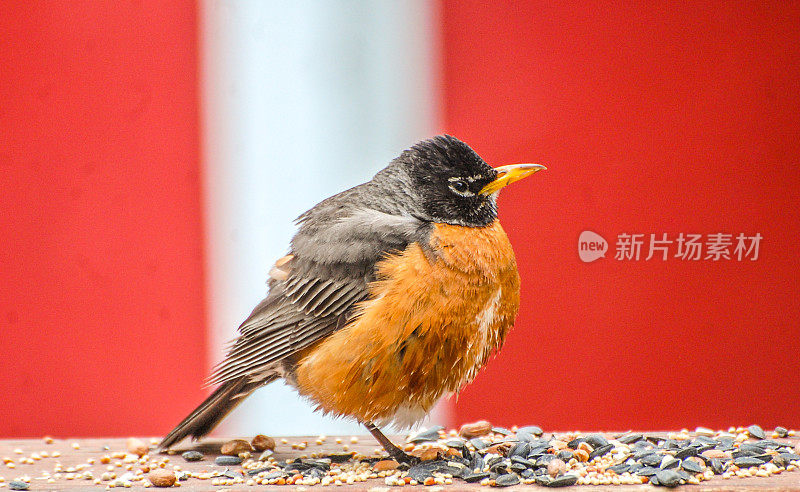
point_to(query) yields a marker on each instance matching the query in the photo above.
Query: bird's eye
(459, 186)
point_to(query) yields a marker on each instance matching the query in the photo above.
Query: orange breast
(430, 324)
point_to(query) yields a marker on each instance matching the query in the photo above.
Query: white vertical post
(301, 99)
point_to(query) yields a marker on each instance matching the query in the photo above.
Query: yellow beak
(508, 174)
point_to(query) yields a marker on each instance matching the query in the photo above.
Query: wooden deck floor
(94, 449)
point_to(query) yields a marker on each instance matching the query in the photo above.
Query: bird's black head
(447, 177)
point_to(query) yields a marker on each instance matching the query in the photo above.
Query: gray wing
(314, 288)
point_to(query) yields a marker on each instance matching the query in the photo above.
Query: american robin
(394, 293)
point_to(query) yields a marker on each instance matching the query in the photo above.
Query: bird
(393, 294)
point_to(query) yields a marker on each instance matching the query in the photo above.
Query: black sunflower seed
(431, 434)
(573, 444)
(565, 455)
(647, 471)
(651, 459)
(519, 449)
(563, 481)
(747, 462)
(630, 438)
(340, 458)
(686, 452)
(501, 430)
(668, 463)
(756, 432)
(475, 477)
(479, 443)
(522, 461)
(601, 451)
(531, 429)
(620, 468)
(692, 466)
(544, 460)
(596, 440)
(668, 478)
(506, 480)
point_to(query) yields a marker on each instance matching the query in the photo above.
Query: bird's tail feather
(209, 413)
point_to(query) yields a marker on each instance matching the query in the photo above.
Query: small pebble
(475, 429)
(18, 485)
(385, 465)
(136, 446)
(227, 460)
(556, 467)
(162, 477)
(192, 455)
(263, 443)
(716, 453)
(235, 447)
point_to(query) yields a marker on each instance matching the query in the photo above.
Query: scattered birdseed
(499, 457)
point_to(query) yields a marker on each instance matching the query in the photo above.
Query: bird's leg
(396, 453)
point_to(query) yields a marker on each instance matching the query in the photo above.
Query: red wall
(654, 117)
(660, 118)
(101, 286)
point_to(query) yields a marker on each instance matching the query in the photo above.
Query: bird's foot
(403, 458)
(395, 453)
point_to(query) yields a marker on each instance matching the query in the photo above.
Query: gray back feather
(334, 253)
